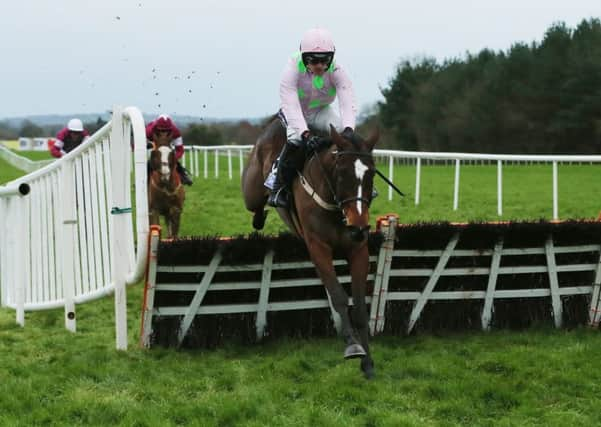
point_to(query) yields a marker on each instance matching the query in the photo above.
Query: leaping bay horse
(330, 211)
(166, 193)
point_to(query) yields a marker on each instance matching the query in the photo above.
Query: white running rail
(417, 158)
(21, 162)
(70, 239)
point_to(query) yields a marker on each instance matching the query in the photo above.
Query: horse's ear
(340, 142)
(373, 138)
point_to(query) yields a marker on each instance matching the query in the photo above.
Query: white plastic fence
(392, 157)
(71, 239)
(195, 152)
(21, 162)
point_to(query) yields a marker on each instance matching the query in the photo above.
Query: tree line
(534, 98)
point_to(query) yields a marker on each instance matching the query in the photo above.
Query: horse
(330, 212)
(166, 193)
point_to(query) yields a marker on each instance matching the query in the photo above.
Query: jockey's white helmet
(75, 125)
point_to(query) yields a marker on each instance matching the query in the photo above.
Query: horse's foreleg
(173, 220)
(359, 266)
(321, 255)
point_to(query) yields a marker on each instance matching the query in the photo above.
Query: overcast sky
(223, 59)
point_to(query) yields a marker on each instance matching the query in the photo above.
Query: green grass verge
(49, 376)
(35, 155)
(214, 205)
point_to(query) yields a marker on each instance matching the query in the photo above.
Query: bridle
(338, 205)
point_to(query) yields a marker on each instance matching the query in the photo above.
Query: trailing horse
(166, 193)
(330, 212)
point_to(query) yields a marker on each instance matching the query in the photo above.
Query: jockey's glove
(348, 133)
(312, 142)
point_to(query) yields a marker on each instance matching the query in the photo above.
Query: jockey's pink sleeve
(289, 101)
(346, 98)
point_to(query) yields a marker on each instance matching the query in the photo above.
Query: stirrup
(279, 198)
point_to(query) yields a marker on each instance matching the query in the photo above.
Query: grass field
(214, 205)
(35, 155)
(538, 377)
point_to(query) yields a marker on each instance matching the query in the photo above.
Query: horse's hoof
(369, 374)
(354, 351)
(259, 220)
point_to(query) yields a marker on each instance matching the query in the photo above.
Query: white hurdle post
(67, 241)
(118, 222)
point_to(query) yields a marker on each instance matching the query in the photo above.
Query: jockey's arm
(346, 98)
(178, 144)
(56, 149)
(289, 101)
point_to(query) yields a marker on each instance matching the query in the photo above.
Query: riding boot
(291, 158)
(183, 173)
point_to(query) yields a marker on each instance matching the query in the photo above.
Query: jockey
(68, 138)
(309, 85)
(163, 129)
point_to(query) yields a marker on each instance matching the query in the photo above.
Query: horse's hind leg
(321, 255)
(254, 193)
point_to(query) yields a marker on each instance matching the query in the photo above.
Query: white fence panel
(70, 239)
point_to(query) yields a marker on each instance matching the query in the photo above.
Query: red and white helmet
(317, 40)
(163, 122)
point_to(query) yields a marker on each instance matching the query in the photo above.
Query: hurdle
(422, 277)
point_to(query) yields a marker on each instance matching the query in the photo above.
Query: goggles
(318, 57)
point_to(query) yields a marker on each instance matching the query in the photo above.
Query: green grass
(35, 155)
(544, 377)
(8, 172)
(214, 205)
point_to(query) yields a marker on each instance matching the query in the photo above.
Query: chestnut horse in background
(166, 193)
(330, 212)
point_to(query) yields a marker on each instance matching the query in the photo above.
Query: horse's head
(354, 175)
(162, 160)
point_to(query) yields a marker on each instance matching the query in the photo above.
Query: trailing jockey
(68, 138)
(163, 129)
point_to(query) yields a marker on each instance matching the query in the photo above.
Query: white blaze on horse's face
(360, 170)
(165, 172)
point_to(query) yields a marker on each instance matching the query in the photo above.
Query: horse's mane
(267, 121)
